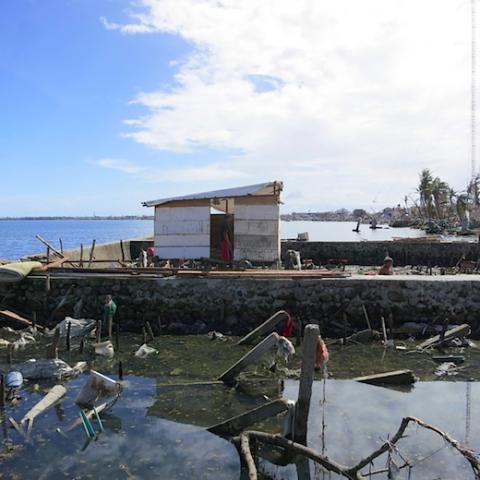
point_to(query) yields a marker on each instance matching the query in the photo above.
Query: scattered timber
(265, 327)
(397, 377)
(455, 332)
(262, 273)
(237, 424)
(456, 359)
(251, 357)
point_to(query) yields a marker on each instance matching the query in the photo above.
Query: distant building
(242, 222)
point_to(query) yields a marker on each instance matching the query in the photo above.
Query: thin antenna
(474, 90)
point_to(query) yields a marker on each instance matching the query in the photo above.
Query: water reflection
(356, 418)
(142, 439)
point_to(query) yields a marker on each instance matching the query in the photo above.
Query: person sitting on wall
(387, 267)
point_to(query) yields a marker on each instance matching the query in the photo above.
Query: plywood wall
(182, 232)
(257, 230)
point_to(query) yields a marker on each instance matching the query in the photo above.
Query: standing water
(157, 427)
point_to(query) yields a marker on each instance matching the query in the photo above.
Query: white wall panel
(183, 240)
(257, 232)
(182, 252)
(187, 227)
(256, 212)
(182, 232)
(256, 227)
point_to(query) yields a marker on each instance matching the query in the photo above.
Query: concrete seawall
(237, 305)
(372, 253)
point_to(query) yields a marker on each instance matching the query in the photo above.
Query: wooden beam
(251, 357)
(236, 424)
(16, 319)
(460, 331)
(264, 328)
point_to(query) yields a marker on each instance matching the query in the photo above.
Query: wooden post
(149, 330)
(110, 327)
(384, 331)
(91, 254)
(446, 321)
(67, 340)
(367, 319)
(47, 283)
(144, 334)
(81, 255)
(120, 370)
(61, 246)
(2, 390)
(52, 350)
(82, 345)
(117, 336)
(48, 254)
(302, 407)
(159, 325)
(251, 357)
(99, 331)
(123, 251)
(9, 353)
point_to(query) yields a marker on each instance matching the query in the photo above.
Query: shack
(232, 224)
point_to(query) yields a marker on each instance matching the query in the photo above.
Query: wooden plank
(16, 319)
(264, 328)
(251, 357)
(397, 377)
(460, 331)
(235, 425)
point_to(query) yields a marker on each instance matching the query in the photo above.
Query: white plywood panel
(182, 252)
(257, 255)
(259, 248)
(256, 227)
(256, 212)
(182, 240)
(186, 227)
(182, 213)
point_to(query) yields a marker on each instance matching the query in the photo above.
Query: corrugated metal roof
(269, 188)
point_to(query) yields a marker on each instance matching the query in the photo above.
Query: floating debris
(144, 351)
(49, 368)
(105, 349)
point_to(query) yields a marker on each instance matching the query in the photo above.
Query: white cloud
(361, 95)
(184, 174)
(122, 165)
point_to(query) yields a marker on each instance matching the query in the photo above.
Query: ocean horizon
(17, 237)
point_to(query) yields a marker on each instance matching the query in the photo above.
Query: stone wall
(372, 253)
(237, 305)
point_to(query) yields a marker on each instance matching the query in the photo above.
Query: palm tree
(425, 191)
(439, 191)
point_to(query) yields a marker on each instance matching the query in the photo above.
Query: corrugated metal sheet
(268, 188)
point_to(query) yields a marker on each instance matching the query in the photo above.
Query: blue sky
(106, 103)
(65, 87)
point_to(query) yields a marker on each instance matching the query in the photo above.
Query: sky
(108, 103)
